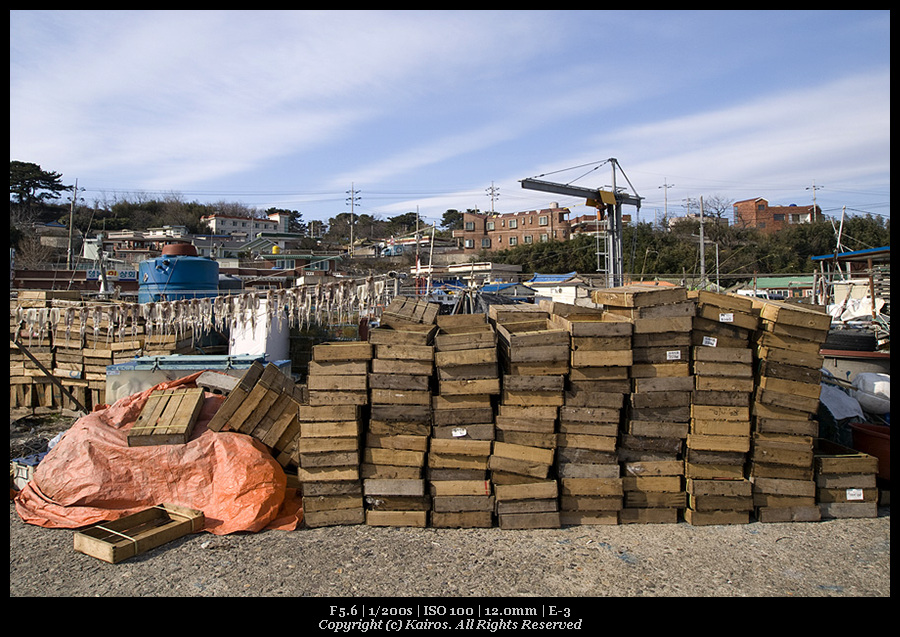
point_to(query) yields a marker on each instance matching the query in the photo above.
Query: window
(485, 243)
(513, 223)
(527, 238)
(513, 241)
(545, 238)
(778, 217)
(469, 243)
(470, 225)
(489, 225)
(543, 221)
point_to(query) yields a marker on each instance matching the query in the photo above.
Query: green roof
(789, 281)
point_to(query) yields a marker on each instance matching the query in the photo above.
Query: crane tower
(609, 206)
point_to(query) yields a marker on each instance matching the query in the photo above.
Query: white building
(246, 227)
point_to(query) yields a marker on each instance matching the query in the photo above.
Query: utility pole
(71, 225)
(493, 193)
(702, 250)
(814, 188)
(352, 199)
(665, 188)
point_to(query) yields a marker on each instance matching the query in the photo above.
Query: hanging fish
(69, 320)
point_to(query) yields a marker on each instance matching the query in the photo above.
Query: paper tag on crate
(854, 494)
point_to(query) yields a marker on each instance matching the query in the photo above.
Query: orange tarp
(91, 475)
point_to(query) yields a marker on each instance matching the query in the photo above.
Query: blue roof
(551, 278)
(496, 287)
(851, 255)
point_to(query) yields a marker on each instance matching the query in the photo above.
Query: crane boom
(594, 195)
(608, 204)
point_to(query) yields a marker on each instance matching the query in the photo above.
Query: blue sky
(427, 110)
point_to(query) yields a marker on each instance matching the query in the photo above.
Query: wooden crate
(138, 533)
(846, 481)
(168, 418)
(638, 295)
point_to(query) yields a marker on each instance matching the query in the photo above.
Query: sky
(386, 112)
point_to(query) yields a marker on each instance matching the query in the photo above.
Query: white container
(873, 392)
(256, 334)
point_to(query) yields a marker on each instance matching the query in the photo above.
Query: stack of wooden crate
(468, 380)
(169, 343)
(264, 405)
(74, 342)
(29, 385)
(331, 425)
(719, 440)
(845, 481)
(534, 361)
(338, 373)
(658, 410)
(785, 402)
(20, 395)
(400, 419)
(587, 466)
(106, 343)
(328, 454)
(69, 344)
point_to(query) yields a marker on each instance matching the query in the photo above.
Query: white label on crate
(726, 317)
(854, 494)
(458, 432)
(710, 341)
(673, 355)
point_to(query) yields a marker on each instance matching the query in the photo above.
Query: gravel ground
(833, 558)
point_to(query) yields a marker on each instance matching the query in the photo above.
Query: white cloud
(838, 129)
(197, 94)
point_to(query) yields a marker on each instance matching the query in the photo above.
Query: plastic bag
(91, 475)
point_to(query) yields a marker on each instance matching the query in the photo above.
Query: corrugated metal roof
(551, 278)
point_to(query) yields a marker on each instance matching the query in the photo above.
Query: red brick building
(757, 213)
(492, 232)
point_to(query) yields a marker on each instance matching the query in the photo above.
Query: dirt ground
(479, 574)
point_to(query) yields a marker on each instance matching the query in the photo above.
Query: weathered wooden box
(138, 533)
(168, 418)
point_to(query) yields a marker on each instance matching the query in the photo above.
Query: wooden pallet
(138, 533)
(168, 418)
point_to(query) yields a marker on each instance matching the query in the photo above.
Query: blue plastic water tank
(178, 274)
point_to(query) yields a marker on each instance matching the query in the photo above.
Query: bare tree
(718, 206)
(32, 254)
